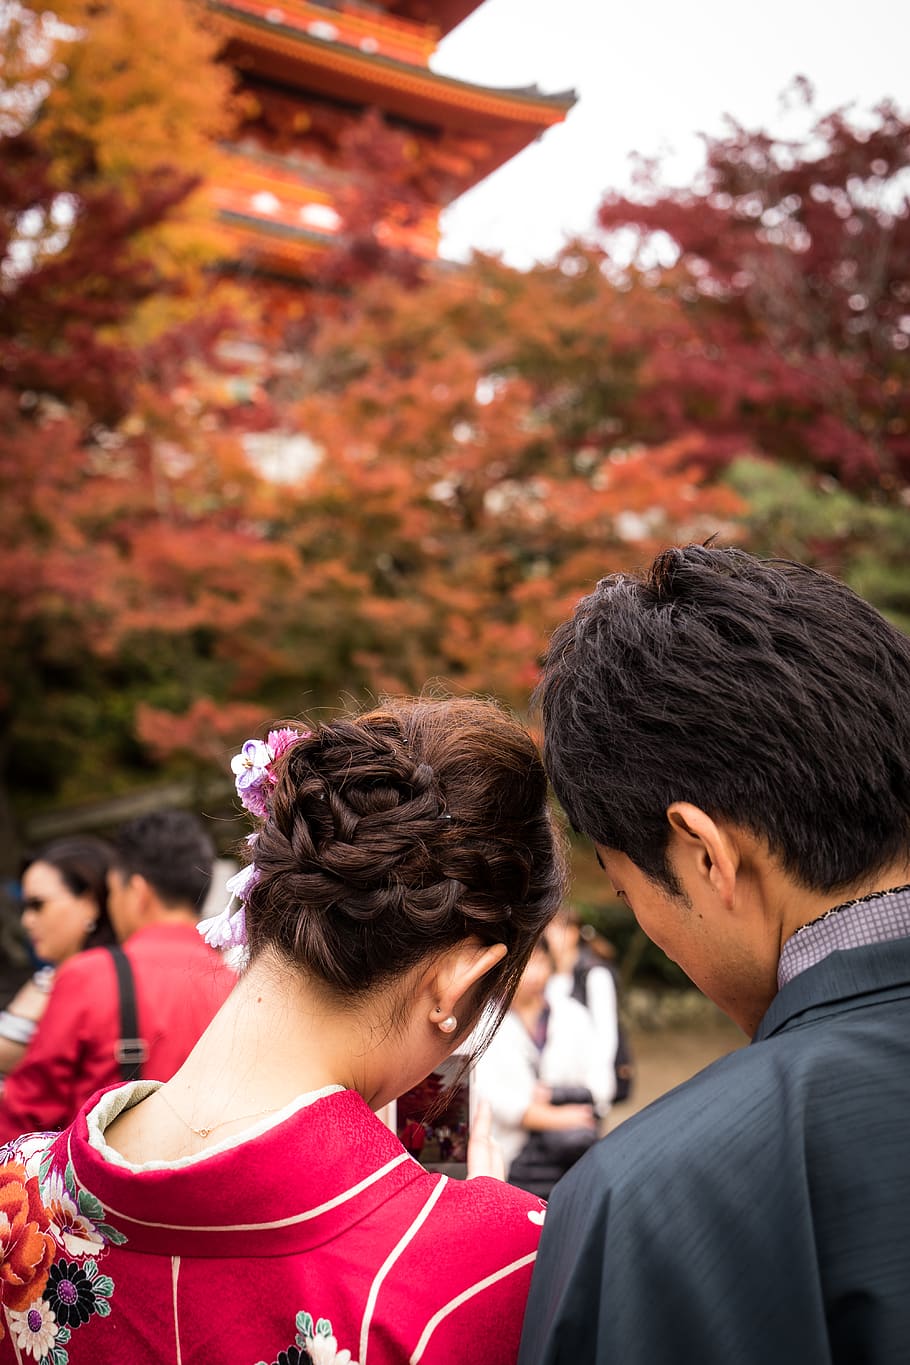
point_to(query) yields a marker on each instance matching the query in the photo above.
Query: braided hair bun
(396, 834)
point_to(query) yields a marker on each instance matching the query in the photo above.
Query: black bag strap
(130, 1051)
(580, 972)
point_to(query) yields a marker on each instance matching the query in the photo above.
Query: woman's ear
(459, 969)
(702, 853)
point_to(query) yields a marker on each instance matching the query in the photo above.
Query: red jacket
(180, 984)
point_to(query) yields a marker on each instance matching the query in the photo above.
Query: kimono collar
(290, 1187)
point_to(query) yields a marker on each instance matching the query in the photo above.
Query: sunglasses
(32, 903)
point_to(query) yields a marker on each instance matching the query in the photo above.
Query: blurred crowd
(117, 981)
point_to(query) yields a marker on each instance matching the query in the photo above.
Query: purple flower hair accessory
(252, 768)
(251, 775)
(254, 779)
(279, 741)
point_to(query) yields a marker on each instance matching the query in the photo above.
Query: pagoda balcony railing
(279, 199)
(366, 30)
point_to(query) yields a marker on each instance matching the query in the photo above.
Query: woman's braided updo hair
(396, 834)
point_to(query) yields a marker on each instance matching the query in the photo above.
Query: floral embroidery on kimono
(51, 1235)
(314, 1345)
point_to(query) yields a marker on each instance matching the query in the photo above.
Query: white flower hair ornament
(254, 778)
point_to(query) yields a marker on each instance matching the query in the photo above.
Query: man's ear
(703, 849)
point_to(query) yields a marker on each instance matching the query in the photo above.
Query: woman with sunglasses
(64, 909)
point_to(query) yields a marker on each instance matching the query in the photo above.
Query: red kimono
(313, 1240)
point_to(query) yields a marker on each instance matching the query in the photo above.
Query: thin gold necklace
(204, 1132)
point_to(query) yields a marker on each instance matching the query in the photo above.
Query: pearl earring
(448, 1025)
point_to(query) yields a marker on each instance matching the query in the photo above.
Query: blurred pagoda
(324, 90)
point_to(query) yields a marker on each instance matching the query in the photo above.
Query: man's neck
(165, 915)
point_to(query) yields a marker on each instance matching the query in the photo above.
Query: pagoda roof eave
(290, 231)
(443, 14)
(269, 250)
(295, 57)
(447, 16)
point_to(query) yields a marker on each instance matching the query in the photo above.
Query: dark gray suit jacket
(758, 1214)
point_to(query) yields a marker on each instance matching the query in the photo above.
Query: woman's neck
(273, 1039)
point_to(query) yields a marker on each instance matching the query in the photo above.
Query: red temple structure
(308, 72)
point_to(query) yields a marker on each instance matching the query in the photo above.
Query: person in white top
(564, 941)
(542, 1048)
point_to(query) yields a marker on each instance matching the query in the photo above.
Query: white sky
(649, 77)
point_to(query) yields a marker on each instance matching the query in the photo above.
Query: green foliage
(865, 541)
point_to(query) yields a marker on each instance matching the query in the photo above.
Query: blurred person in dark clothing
(16, 959)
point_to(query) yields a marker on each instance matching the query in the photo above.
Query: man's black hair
(762, 691)
(172, 851)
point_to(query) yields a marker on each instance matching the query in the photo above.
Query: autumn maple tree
(778, 336)
(151, 609)
(480, 444)
(459, 506)
(128, 511)
(790, 263)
